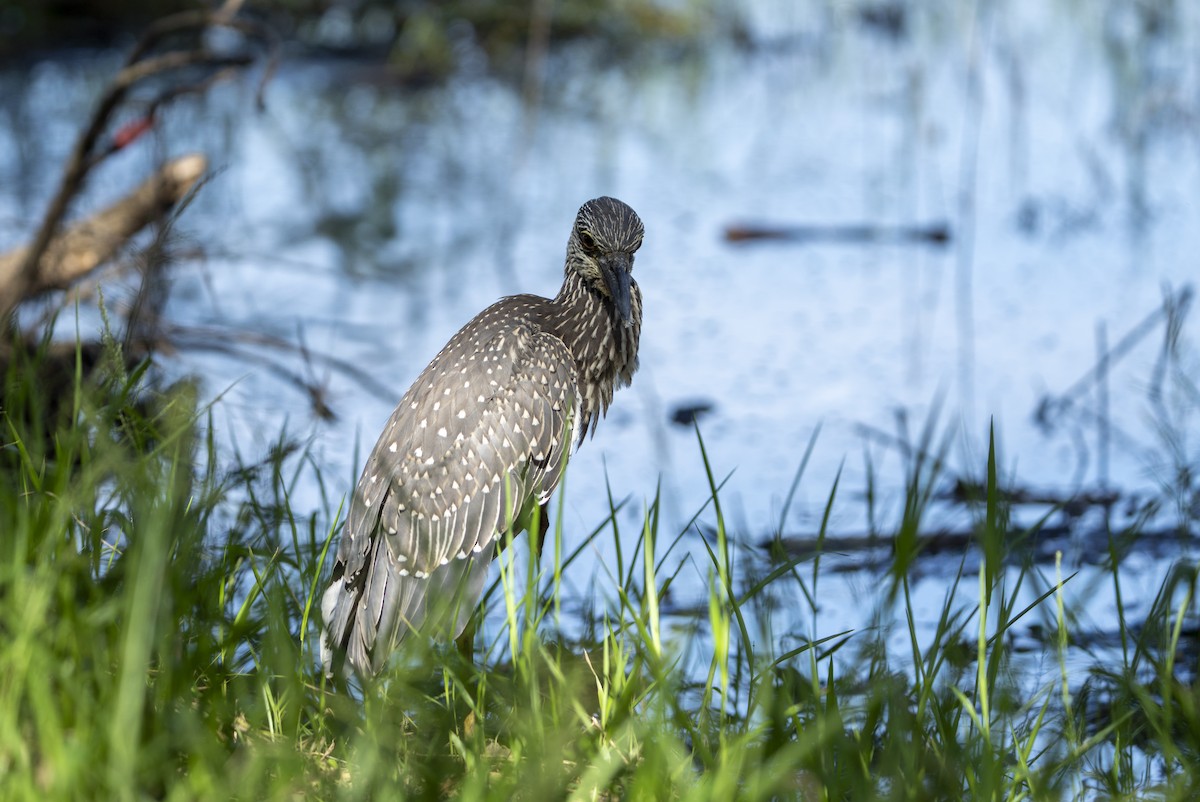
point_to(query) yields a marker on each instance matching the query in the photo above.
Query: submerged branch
(932, 234)
(241, 344)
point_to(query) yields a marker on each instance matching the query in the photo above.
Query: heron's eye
(587, 240)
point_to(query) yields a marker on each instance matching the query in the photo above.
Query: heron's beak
(616, 269)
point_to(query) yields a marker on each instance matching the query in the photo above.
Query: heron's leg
(543, 525)
(466, 641)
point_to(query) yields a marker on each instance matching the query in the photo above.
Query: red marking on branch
(130, 131)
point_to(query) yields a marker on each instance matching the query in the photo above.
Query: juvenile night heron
(478, 442)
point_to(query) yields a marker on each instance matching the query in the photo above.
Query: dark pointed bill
(616, 275)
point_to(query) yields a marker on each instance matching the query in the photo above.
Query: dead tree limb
(83, 246)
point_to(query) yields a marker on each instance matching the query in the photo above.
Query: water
(370, 222)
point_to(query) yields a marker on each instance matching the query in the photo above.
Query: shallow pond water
(369, 222)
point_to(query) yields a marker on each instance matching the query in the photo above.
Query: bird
(478, 443)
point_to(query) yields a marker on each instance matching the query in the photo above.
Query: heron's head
(603, 240)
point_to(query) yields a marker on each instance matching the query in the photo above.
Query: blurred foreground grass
(158, 640)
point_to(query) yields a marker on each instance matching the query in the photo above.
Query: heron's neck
(605, 349)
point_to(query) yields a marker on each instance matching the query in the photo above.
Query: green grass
(158, 639)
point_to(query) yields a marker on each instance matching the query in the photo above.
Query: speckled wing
(481, 431)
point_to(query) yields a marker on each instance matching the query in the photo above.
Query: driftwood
(83, 246)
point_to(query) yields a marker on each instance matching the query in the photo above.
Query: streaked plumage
(482, 435)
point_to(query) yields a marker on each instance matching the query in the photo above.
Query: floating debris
(686, 414)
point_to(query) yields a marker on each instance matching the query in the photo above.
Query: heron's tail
(365, 621)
